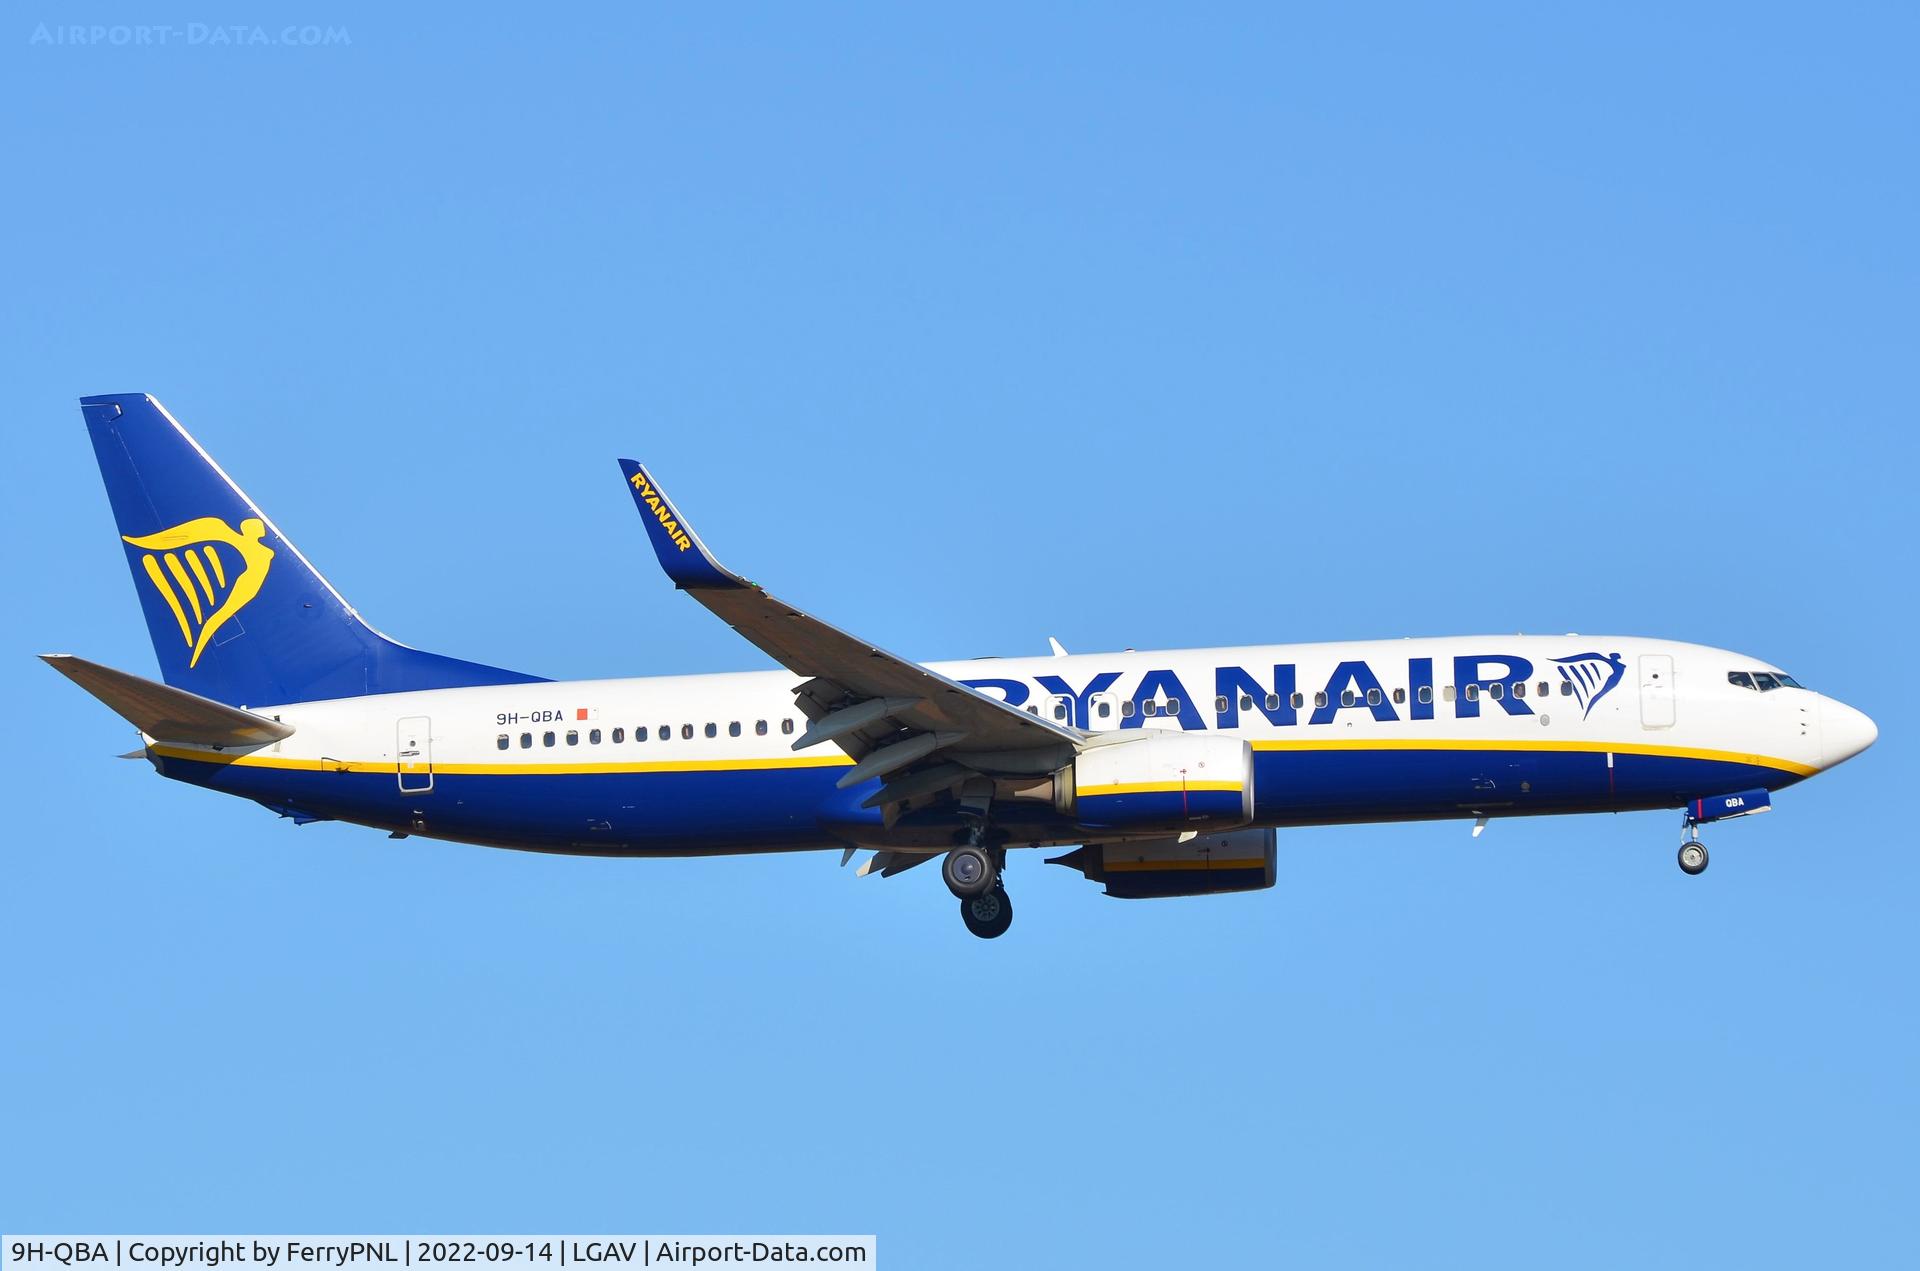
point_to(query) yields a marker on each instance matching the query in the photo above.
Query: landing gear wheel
(969, 872)
(1693, 857)
(989, 914)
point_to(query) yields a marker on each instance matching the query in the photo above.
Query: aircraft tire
(989, 914)
(968, 872)
(1693, 858)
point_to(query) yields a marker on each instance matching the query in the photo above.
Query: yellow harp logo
(214, 569)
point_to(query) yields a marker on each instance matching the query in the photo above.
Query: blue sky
(1124, 326)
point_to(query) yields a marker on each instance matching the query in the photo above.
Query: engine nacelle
(1236, 860)
(1159, 780)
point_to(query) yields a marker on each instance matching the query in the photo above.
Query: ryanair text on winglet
(661, 511)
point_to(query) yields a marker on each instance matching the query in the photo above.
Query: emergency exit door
(413, 750)
(1656, 690)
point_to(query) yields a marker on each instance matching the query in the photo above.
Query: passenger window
(1298, 701)
(546, 739)
(1374, 697)
(664, 732)
(1104, 710)
(713, 730)
(1273, 701)
(1543, 689)
(573, 737)
(1426, 694)
(1149, 708)
(1220, 704)
(759, 728)
(1446, 694)
(1473, 692)
(686, 732)
(1520, 689)
(594, 737)
(786, 727)
(1496, 691)
(1060, 711)
(1739, 679)
(1319, 700)
(733, 729)
(1348, 697)
(1033, 710)
(1566, 688)
(1126, 709)
(1173, 706)
(619, 735)
(501, 742)
(1246, 703)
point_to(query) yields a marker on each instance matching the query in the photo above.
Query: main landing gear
(972, 873)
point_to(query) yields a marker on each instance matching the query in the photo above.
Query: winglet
(685, 558)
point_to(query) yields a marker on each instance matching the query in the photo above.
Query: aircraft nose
(1844, 731)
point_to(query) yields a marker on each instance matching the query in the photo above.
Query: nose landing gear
(1693, 857)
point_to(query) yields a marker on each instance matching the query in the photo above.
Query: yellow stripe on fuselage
(259, 760)
(1564, 747)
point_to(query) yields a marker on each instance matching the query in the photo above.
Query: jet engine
(1236, 860)
(1157, 780)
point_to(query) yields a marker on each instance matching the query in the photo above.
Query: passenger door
(413, 754)
(1656, 690)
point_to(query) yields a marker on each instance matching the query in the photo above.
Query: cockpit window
(1762, 681)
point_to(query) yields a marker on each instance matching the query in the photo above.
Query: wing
(895, 718)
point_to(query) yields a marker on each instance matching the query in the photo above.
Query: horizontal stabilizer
(165, 713)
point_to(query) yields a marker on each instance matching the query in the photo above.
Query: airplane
(1165, 773)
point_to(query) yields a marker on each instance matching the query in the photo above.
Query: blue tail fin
(236, 612)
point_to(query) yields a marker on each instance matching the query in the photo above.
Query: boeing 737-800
(1167, 773)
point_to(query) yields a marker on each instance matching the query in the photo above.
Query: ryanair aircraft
(1167, 773)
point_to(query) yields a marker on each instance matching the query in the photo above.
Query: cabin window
(1033, 710)
(1173, 706)
(1446, 694)
(546, 739)
(1520, 689)
(1298, 701)
(593, 737)
(1319, 700)
(1246, 703)
(1273, 701)
(619, 735)
(786, 727)
(1426, 694)
(759, 728)
(733, 729)
(573, 737)
(664, 732)
(1543, 689)
(686, 732)
(1126, 709)
(1473, 692)
(1220, 705)
(1375, 697)
(526, 741)
(1103, 708)
(1399, 696)
(713, 730)
(1149, 708)
(1060, 710)
(1348, 697)
(1496, 691)
(1566, 688)
(501, 742)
